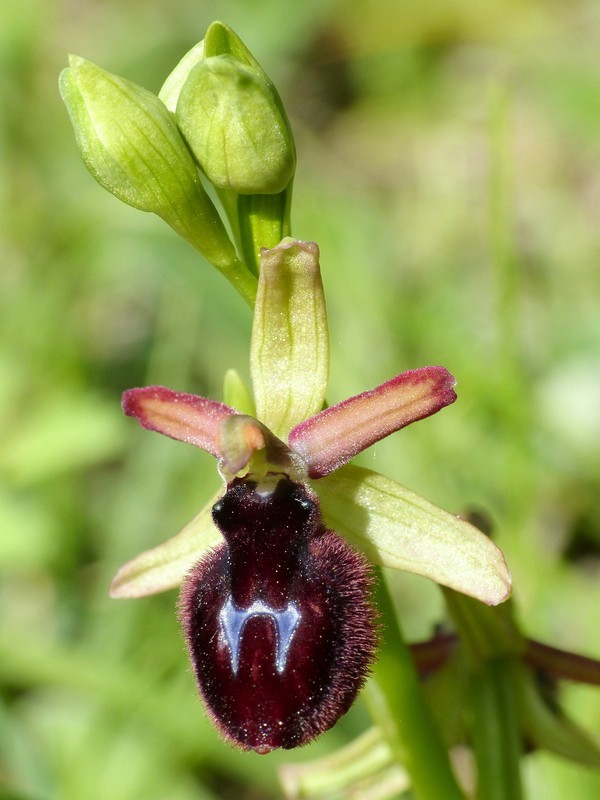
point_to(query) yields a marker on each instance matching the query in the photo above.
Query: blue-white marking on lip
(233, 620)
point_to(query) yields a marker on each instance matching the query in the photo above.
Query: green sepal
(289, 351)
(257, 220)
(219, 40)
(396, 528)
(164, 567)
(258, 215)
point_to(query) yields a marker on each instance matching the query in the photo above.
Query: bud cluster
(217, 120)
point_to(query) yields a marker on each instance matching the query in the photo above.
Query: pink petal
(186, 417)
(333, 437)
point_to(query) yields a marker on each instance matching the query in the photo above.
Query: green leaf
(549, 728)
(397, 528)
(165, 566)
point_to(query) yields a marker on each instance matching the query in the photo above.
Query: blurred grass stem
(496, 733)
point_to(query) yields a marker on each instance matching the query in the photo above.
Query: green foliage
(447, 174)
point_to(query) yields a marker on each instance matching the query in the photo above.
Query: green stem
(238, 274)
(242, 280)
(397, 705)
(229, 265)
(485, 632)
(496, 734)
(199, 223)
(263, 221)
(492, 647)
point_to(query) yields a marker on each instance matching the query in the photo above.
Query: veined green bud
(234, 124)
(220, 40)
(130, 143)
(169, 92)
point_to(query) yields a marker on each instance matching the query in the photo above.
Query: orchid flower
(283, 578)
(292, 435)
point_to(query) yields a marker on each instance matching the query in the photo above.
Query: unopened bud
(131, 145)
(233, 122)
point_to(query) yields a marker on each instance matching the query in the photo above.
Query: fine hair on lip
(278, 619)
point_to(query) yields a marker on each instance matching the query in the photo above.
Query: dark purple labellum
(278, 621)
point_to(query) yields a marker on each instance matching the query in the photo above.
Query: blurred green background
(448, 157)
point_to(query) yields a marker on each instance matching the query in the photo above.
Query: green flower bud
(221, 40)
(131, 145)
(169, 91)
(234, 124)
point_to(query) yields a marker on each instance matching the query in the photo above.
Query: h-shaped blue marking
(233, 620)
